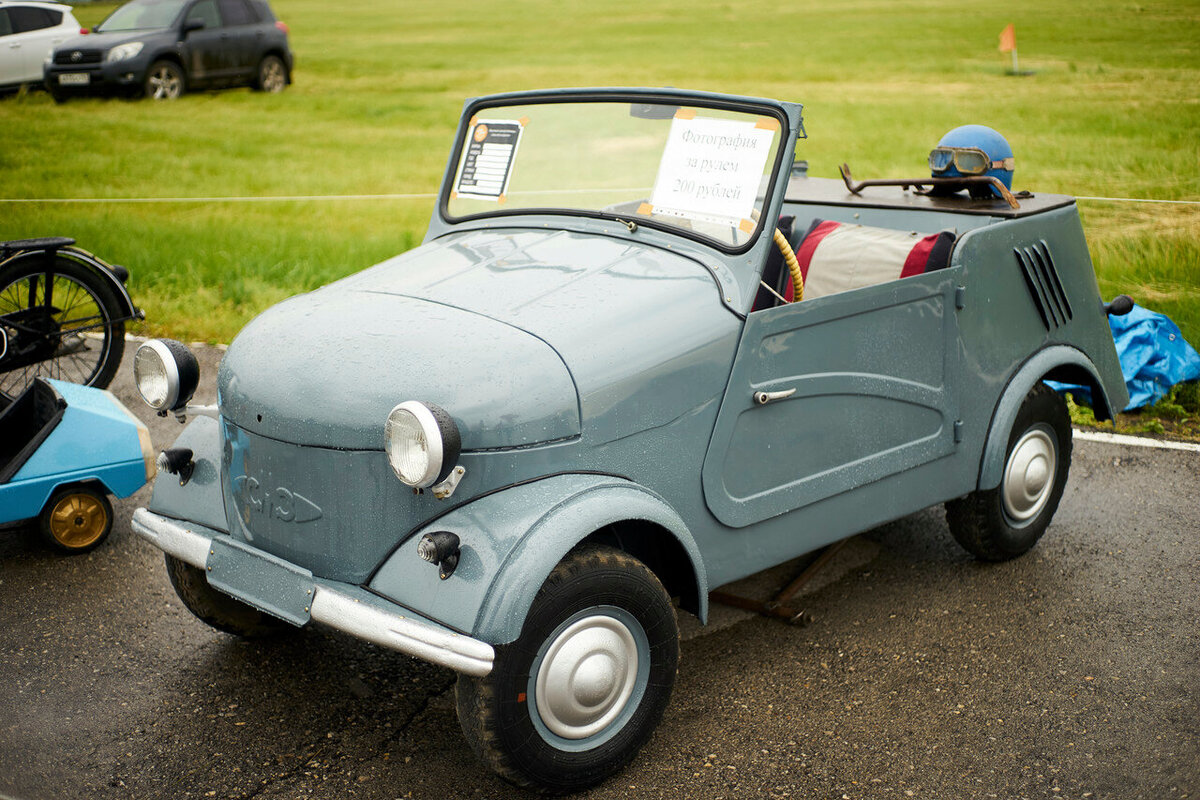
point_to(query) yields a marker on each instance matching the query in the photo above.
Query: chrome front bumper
(342, 606)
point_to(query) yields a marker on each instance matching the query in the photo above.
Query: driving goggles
(968, 160)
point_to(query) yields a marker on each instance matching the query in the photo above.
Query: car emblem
(282, 504)
(76, 55)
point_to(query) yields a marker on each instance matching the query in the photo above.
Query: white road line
(1134, 441)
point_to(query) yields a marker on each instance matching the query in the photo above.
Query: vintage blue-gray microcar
(638, 355)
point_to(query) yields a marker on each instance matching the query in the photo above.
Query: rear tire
(218, 609)
(82, 303)
(271, 76)
(1005, 522)
(575, 697)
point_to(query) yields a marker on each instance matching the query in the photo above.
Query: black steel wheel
(164, 81)
(70, 328)
(1005, 522)
(271, 76)
(218, 609)
(577, 695)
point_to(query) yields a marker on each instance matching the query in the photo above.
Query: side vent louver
(1045, 287)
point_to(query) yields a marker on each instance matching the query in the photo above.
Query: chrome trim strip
(411, 635)
(170, 537)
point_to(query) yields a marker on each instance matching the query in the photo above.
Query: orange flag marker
(1008, 44)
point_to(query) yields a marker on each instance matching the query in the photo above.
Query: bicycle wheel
(69, 328)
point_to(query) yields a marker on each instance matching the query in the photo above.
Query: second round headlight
(422, 443)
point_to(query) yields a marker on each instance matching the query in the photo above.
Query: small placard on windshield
(487, 163)
(711, 169)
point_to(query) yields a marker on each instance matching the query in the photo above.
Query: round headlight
(422, 443)
(166, 374)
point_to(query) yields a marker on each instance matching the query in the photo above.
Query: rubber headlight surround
(166, 374)
(422, 443)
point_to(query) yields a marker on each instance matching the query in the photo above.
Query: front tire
(164, 81)
(1005, 522)
(218, 609)
(575, 697)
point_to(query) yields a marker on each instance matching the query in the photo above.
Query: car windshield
(704, 171)
(142, 15)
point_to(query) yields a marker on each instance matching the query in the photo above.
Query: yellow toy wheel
(77, 519)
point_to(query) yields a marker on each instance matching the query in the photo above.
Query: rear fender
(512, 540)
(1053, 362)
(91, 262)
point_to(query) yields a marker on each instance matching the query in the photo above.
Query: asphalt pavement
(1072, 672)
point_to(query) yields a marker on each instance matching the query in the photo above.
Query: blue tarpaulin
(1154, 357)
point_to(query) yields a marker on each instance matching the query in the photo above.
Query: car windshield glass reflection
(142, 15)
(700, 170)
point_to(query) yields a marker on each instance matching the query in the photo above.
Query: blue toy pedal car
(63, 449)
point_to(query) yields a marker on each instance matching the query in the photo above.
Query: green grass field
(1113, 109)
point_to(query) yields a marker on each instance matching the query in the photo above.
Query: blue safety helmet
(971, 150)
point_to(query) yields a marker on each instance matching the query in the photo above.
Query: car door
(32, 33)
(10, 52)
(855, 388)
(208, 55)
(239, 34)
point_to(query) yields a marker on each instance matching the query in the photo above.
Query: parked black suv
(162, 48)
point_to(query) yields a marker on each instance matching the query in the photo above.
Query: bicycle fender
(102, 269)
(99, 267)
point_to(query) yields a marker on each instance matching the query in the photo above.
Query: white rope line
(270, 199)
(1139, 200)
(426, 196)
(297, 197)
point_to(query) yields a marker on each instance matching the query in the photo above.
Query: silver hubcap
(1029, 475)
(164, 84)
(587, 677)
(272, 77)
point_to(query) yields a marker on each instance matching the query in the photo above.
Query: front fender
(511, 541)
(199, 500)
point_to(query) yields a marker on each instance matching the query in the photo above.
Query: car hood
(106, 41)
(641, 328)
(326, 368)
(525, 337)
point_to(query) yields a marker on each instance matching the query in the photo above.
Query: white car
(29, 31)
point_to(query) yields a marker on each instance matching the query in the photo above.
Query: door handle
(762, 398)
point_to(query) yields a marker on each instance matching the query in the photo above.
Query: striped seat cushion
(837, 257)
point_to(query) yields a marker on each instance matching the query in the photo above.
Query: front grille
(69, 58)
(337, 513)
(1045, 287)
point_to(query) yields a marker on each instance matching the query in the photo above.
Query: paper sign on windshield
(487, 164)
(711, 169)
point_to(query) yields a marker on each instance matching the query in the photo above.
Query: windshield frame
(613, 96)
